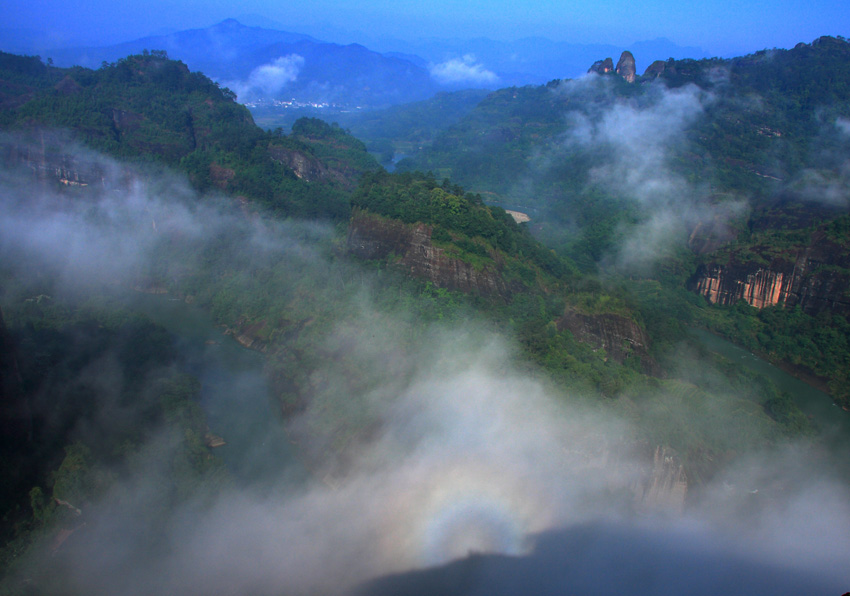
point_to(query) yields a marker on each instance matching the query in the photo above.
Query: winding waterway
(832, 422)
(234, 393)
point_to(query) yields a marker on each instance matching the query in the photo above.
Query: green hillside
(146, 108)
(351, 276)
(730, 162)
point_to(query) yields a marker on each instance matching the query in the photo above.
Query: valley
(412, 383)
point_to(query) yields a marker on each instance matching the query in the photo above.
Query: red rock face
(619, 336)
(814, 277)
(373, 237)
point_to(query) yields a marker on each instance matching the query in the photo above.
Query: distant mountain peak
(230, 22)
(625, 66)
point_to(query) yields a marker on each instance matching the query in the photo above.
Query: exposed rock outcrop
(602, 66)
(374, 237)
(68, 86)
(815, 277)
(306, 167)
(126, 121)
(251, 335)
(707, 236)
(42, 155)
(626, 66)
(221, 176)
(619, 336)
(665, 485)
(655, 70)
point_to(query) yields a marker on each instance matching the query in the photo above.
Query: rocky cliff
(816, 277)
(306, 167)
(43, 154)
(626, 66)
(619, 336)
(663, 485)
(375, 237)
(602, 66)
(655, 70)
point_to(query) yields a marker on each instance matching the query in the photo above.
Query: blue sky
(721, 27)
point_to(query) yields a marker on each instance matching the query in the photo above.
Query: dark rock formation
(626, 66)
(619, 336)
(709, 235)
(654, 70)
(815, 277)
(375, 237)
(68, 86)
(602, 66)
(306, 167)
(42, 155)
(665, 486)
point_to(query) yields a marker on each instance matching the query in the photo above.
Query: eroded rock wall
(619, 336)
(375, 237)
(815, 277)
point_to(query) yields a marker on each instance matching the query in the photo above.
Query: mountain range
(492, 347)
(260, 63)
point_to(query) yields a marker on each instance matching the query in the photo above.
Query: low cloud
(457, 449)
(463, 71)
(269, 80)
(634, 140)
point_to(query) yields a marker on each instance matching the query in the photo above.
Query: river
(235, 394)
(832, 422)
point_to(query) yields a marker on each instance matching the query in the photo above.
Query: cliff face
(626, 66)
(410, 246)
(49, 164)
(374, 237)
(816, 277)
(619, 336)
(306, 167)
(664, 484)
(602, 66)
(655, 69)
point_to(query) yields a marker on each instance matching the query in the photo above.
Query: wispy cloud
(636, 139)
(466, 70)
(269, 80)
(466, 450)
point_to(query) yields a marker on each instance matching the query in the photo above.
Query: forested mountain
(147, 108)
(266, 64)
(724, 174)
(413, 334)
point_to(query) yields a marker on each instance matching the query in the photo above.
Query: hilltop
(148, 109)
